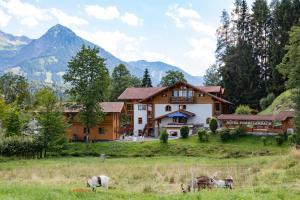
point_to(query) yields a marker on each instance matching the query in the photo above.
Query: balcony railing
(182, 99)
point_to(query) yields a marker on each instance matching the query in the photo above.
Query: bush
(184, 132)
(213, 125)
(202, 135)
(264, 140)
(292, 139)
(164, 136)
(266, 101)
(243, 110)
(224, 135)
(21, 146)
(279, 139)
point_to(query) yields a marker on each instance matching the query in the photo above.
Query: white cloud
(67, 20)
(131, 19)
(4, 19)
(29, 21)
(200, 56)
(188, 17)
(116, 42)
(29, 14)
(105, 13)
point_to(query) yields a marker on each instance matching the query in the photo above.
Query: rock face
(45, 59)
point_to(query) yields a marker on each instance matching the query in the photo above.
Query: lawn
(243, 147)
(259, 177)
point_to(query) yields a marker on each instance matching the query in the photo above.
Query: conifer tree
(146, 82)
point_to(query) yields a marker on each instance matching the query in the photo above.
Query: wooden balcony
(181, 100)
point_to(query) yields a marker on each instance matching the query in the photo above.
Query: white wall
(137, 114)
(201, 111)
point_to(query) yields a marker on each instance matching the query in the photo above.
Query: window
(174, 120)
(175, 93)
(217, 106)
(142, 107)
(184, 93)
(182, 120)
(190, 93)
(85, 130)
(129, 107)
(140, 131)
(140, 120)
(168, 108)
(182, 107)
(101, 130)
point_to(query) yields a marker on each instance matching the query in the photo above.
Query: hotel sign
(257, 123)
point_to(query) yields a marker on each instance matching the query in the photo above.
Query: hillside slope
(283, 102)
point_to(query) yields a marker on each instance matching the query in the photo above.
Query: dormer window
(168, 108)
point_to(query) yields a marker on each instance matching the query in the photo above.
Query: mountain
(45, 59)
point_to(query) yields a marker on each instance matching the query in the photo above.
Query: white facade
(201, 111)
(139, 113)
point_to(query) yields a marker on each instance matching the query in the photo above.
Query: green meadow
(259, 172)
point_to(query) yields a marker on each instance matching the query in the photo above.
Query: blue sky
(178, 32)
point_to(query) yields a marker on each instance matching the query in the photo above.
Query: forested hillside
(251, 43)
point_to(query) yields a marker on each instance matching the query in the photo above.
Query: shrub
(264, 140)
(213, 125)
(184, 132)
(243, 110)
(201, 135)
(279, 139)
(292, 139)
(224, 135)
(266, 101)
(206, 136)
(164, 136)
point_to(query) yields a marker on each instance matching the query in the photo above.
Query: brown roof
(191, 86)
(281, 117)
(107, 107)
(139, 93)
(143, 93)
(211, 89)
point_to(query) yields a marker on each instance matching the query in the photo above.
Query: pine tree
(260, 37)
(146, 82)
(212, 76)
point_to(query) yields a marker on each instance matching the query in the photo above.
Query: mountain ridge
(45, 58)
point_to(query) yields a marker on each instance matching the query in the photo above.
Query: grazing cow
(198, 183)
(98, 181)
(226, 183)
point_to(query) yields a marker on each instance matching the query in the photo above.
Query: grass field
(242, 147)
(265, 177)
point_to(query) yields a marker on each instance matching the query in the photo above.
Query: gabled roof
(107, 107)
(188, 85)
(170, 115)
(280, 117)
(139, 93)
(211, 89)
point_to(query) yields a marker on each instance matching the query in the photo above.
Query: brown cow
(198, 183)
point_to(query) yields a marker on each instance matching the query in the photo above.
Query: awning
(177, 114)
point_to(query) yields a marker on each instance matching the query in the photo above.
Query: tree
(52, 122)
(243, 110)
(184, 132)
(260, 37)
(172, 77)
(212, 76)
(14, 88)
(12, 122)
(121, 79)
(88, 80)
(135, 81)
(290, 68)
(146, 82)
(285, 14)
(213, 125)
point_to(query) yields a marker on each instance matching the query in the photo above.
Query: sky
(178, 32)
